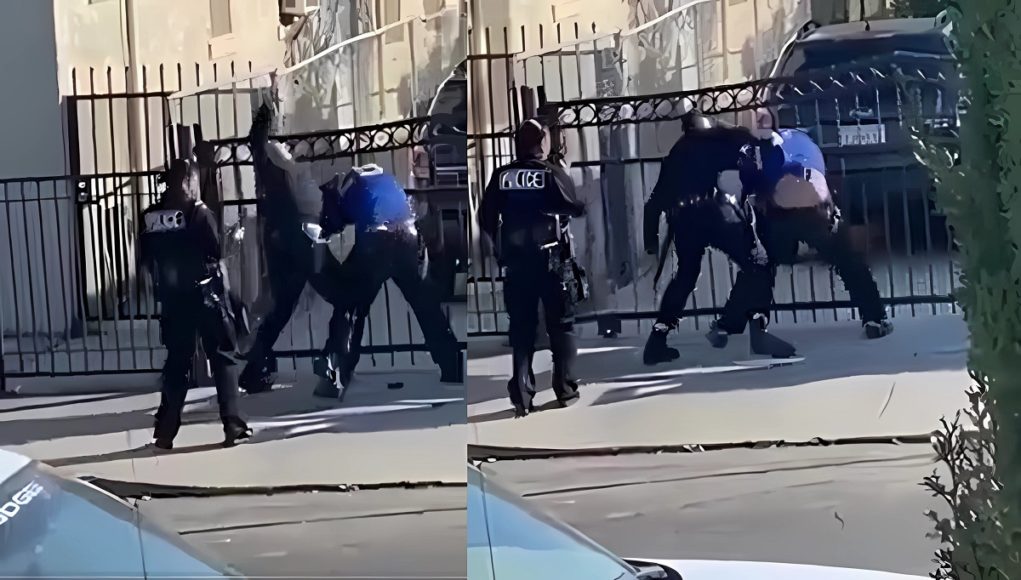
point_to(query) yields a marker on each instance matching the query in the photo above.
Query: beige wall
(93, 33)
(413, 59)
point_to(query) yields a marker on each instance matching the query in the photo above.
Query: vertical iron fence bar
(46, 281)
(14, 284)
(68, 319)
(31, 278)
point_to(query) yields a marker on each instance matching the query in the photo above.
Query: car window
(815, 55)
(524, 544)
(449, 108)
(53, 527)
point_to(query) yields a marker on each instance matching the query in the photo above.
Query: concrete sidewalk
(848, 387)
(377, 435)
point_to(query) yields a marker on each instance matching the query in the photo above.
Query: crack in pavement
(239, 527)
(490, 453)
(141, 490)
(624, 484)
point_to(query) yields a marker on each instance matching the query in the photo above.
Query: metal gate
(615, 144)
(75, 305)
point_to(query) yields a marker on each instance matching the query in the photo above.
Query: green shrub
(979, 189)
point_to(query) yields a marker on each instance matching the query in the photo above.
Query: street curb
(139, 490)
(490, 453)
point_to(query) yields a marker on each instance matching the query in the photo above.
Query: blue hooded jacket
(369, 198)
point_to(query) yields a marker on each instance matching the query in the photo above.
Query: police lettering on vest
(161, 221)
(512, 179)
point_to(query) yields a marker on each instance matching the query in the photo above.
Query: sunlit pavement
(416, 533)
(857, 506)
(852, 505)
(848, 387)
(377, 435)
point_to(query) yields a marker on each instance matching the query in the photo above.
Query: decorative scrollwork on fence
(728, 98)
(333, 144)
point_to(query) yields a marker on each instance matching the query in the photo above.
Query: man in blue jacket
(802, 210)
(385, 248)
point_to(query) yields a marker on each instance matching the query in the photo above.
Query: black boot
(234, 432)
(878, 329)
(764, 343)
(256, 378)
(716, 336)
(453, 371)
(329, 385)
(656, 350)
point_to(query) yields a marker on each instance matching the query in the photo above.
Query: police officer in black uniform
(525, 211)
(707, 188)
(293, 258)
(179, 244)
(386, 248)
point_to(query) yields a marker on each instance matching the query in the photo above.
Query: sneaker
(163, 444)
(766, 344)
(520, 411)
(254, 380)
(656, 349)
(878, 329)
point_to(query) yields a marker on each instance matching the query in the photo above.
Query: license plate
(862, 135)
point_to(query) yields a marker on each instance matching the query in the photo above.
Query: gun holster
(573, 278)
(229, 312)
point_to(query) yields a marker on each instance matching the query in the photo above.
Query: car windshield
(508, 540)
(56, 527)
(822, 54)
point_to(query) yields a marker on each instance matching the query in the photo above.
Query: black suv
(442, 160)
(863, 131)
(440, 173)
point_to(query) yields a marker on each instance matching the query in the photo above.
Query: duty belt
(403, 226)
(747, 206)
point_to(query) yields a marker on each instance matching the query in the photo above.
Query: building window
(219, 18)
(391, 14)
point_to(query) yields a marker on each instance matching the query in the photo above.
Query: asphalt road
(388, 534)
(848, 506)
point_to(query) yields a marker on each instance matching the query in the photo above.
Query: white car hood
(734, 570)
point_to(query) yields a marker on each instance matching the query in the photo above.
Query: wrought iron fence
(860, 116)
(75, 303)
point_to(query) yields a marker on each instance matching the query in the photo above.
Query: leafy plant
(978, 186)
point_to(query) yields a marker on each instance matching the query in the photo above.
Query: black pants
(376, 258)
(182, 321)
(722, 226)
(786, 228)
(528, 284)
(291, 263)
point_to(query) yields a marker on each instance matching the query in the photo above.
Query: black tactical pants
(786, 228)
(722, 226)
(182, 322)
(376, 258)
(291, 263)
(528, 284)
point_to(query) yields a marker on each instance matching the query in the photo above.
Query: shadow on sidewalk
(136, 453)
(282, 413)
(831, 352)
